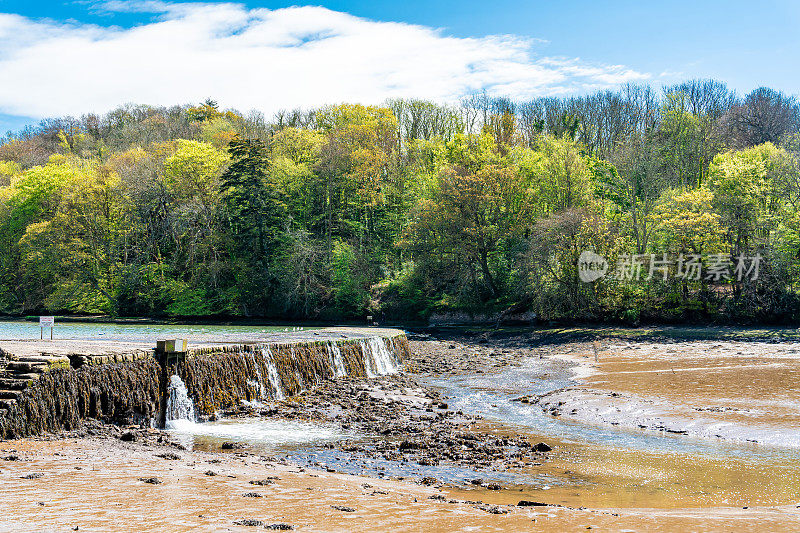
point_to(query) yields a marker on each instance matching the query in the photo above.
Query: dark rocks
(262, 482)
(542, 447)
(343, 508)
(128, 436)
(232, 445)
(279, 527)
(251, 495)
(429, 481)
(248, 522)
(210, 473)
(528, 503)
(151, 480)
(12, 457)
(34, 475)
(169, 456)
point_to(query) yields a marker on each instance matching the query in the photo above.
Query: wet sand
(735, 391)
(93, 484)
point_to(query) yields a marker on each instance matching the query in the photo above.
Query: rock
(169, 456)
(477, 481)
(210, 473)
(279, 527)
(527, 503)
(251, 495)
(151, 480)
(34, 475)
(493, 486)
(343, 508)
(232, 446)
(262, 482)
(542, 447)
(11, 457)
(128, 436)
(248, 522)
(429, 481)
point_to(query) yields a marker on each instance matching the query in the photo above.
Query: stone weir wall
(54, 393)
(218, 378)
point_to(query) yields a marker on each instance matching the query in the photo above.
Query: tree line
(411, 208)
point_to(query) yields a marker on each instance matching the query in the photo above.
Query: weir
(54, 393)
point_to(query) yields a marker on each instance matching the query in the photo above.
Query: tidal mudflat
(467, 436)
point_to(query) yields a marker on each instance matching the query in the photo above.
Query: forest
(411, 209)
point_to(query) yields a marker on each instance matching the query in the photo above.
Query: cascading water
(272, 374)
(338, 363)
(378, 360)
(180, 407)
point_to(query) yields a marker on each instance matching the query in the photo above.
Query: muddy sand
(409, 456)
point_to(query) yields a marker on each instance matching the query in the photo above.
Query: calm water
(22, 330)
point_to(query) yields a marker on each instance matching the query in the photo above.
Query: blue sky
(82, 56)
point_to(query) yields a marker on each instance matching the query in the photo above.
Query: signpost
(46, 322)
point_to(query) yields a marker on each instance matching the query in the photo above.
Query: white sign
(47, 321)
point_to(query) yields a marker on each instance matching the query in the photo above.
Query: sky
(80, 56)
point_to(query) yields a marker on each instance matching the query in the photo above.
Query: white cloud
(265, 59)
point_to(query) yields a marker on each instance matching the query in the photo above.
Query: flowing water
(180, 408)
(266, 435)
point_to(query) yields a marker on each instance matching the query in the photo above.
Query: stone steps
(17, 374)
(13, 382)
(7, 404)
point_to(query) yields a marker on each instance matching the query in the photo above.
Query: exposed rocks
(343, 508)
(151, 480)
(169, 456)
(248, 522)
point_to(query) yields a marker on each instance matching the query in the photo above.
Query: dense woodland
(408, 209)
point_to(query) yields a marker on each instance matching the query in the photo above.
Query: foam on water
(256, 431)
(180, 407)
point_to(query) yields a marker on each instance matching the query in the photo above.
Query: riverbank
(98, 484)
(460, 430)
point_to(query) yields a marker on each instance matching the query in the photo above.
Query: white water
(272, 374)
(180, 407)
(269, 433)
(338, 362)
(378, 359)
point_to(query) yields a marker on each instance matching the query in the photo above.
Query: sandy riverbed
(94, 482)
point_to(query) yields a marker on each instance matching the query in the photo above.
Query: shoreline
(398, 420)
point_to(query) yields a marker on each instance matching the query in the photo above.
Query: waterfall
(179, 405)
(272, 373)
(258, 383)
(338, 362)
(378, 360)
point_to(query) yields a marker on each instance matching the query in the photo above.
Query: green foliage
(406, 210)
